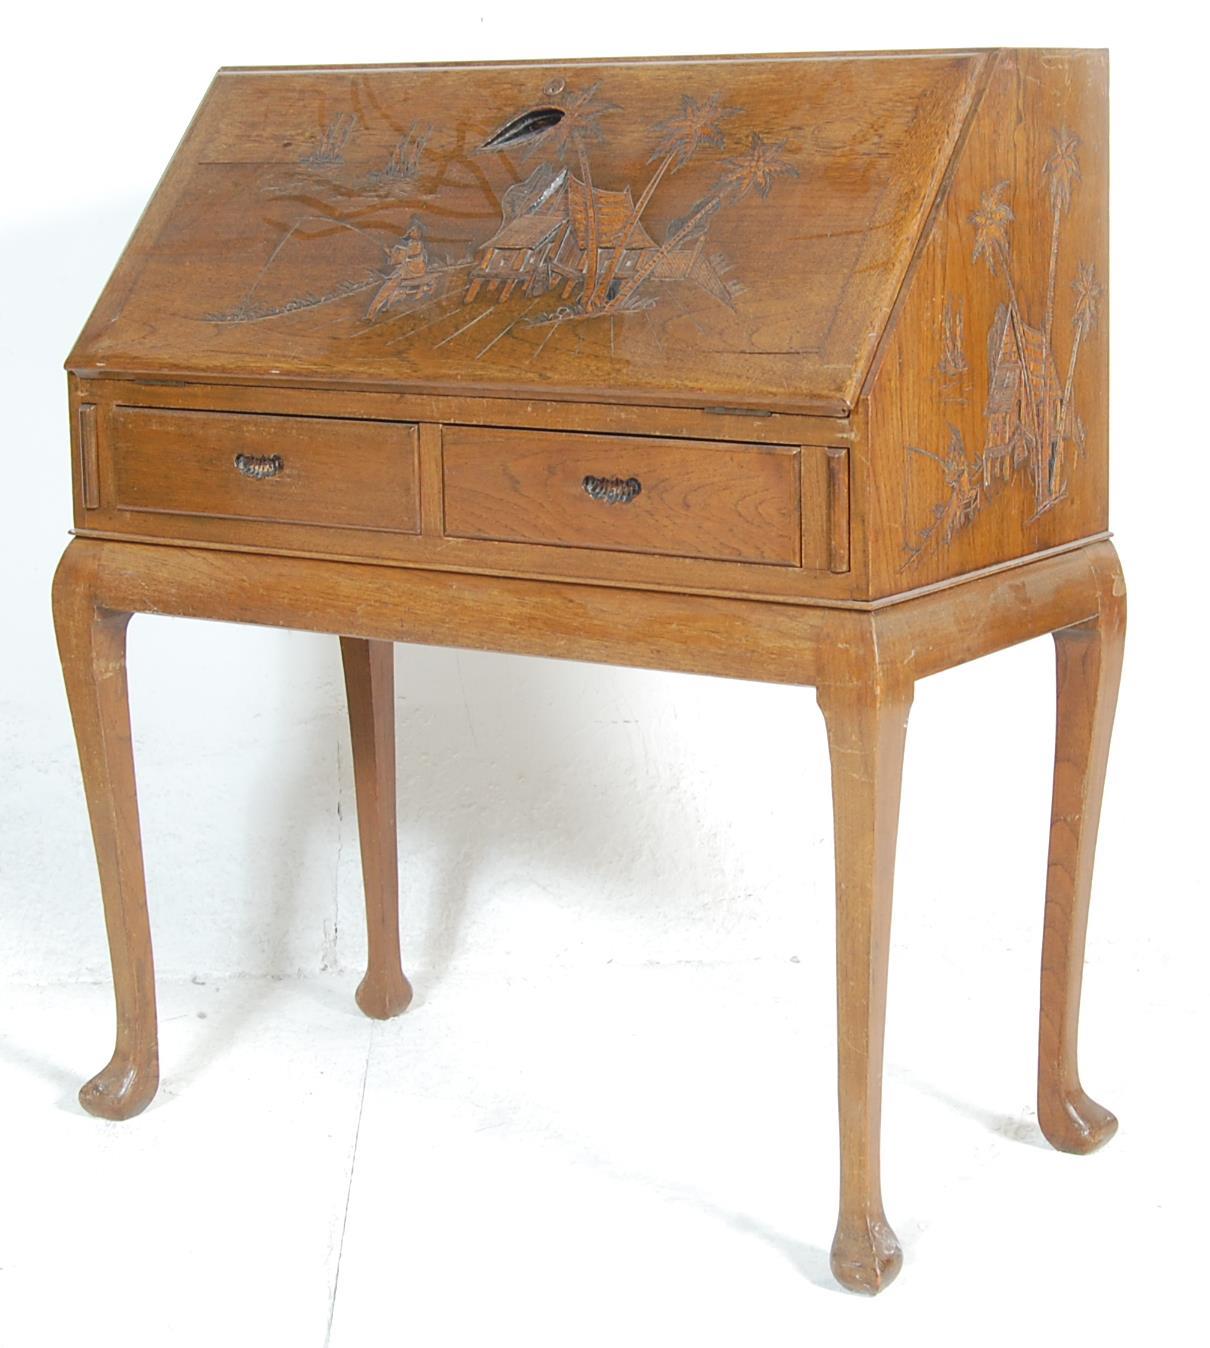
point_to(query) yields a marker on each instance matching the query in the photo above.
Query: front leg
(370, 683)
(867, 723)
(1089, 665)
(92, 648)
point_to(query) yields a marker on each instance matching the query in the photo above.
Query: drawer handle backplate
(612, 490)
(259, 465)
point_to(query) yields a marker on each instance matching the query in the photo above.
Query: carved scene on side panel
(1033, 438)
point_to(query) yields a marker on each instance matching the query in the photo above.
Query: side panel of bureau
(988, 406)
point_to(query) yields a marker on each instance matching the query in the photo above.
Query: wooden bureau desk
(784, 368)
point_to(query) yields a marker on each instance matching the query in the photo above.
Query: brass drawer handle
(259, 465)
(612, 490)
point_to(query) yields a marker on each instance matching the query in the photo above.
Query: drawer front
(676, 498)
(283, 469)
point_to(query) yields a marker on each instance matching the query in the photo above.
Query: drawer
(284, 469)
(678, 498)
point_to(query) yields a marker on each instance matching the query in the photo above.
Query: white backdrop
(559, 814)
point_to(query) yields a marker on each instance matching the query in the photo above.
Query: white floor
(629, 1155)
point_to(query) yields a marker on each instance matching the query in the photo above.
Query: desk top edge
(582, 62)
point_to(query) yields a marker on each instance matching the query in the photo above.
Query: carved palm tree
(756, 170)
(681, 136)
(991, 222)
(1088, 292)
(1062, 169)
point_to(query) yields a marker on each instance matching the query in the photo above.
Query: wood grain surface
(331, 224)
(690, 498)
(988, 404)
(347, 474)
(802, 476)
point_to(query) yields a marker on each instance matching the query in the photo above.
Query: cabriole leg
(1089, 665)
(370, 683)
(867, 723)
(92, 648)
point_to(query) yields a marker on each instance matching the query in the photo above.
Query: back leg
(370, 682)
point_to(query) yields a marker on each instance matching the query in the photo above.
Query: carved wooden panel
(703, 232)
(988, 412)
